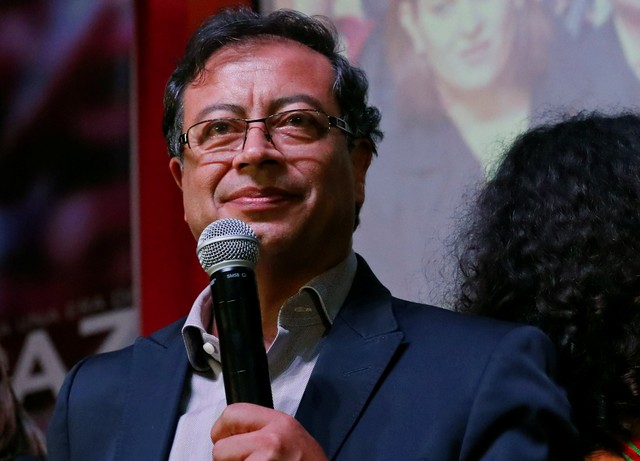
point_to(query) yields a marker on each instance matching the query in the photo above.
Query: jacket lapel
(355, 353)
(153, 396)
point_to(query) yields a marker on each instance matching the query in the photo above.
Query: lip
(261, 197)
(476, 53)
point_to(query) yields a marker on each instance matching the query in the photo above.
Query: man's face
(299, 202)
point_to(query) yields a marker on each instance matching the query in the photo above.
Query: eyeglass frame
(333, 121)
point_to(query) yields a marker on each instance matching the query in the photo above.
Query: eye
(439, 7)
(221, 127)
(299, 119)
(307, 123)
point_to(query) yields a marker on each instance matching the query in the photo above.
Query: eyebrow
(205, 111)
(274, 106)
(279, 103)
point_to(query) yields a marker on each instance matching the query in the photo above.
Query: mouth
(261, 198)
(476, 53)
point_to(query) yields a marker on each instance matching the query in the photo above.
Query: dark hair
(18, 434)
(242, 24)
(554, 241)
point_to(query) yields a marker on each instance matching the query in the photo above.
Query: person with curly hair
(553, 240)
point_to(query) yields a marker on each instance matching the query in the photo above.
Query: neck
(489, 103)
(488, 117)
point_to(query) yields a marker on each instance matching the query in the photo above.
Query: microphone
(228, 250)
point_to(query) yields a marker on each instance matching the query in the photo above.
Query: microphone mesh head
(227, 242)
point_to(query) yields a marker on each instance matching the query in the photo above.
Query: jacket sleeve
(88, 410)
(519, 411)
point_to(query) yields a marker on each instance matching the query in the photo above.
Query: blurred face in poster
(323, 7)
(349, 18)
(330, 8)
(630, 5)
(467, 42)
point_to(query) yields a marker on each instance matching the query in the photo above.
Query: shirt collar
(322, 296)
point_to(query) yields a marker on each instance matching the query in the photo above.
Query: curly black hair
(553, 240)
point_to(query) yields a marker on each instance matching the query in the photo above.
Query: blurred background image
(456, 81)
(65, 232)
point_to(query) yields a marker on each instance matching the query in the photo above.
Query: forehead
(263, 74)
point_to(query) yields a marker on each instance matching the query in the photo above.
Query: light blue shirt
(303, 321)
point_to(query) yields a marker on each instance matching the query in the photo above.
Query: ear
(177, 171)
(361, 155)
(175, 166)
(409, 21)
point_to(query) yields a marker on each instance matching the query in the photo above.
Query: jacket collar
(359, 347)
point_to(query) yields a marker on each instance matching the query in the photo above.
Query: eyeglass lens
(285, 129)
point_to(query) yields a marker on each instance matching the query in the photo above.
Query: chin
(269, 232)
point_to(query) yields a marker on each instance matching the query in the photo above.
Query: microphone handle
(236, 310)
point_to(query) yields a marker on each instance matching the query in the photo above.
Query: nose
(258, 148)
(249, 128)
(469, 19)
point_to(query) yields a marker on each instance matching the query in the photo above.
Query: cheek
(438, 35)
(440, 52)
(340, 185)
(326, 183)
(501, 27)
(203, 178)
(199, 186)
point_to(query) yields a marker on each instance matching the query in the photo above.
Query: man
(268, 124)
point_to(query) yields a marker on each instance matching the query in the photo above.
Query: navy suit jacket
(394, 381)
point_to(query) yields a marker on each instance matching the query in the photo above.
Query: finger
(232, 448)
(239, 418)
(259, 445)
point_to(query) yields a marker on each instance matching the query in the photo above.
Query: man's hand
(253, 433)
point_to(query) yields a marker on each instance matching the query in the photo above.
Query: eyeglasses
(285, 130)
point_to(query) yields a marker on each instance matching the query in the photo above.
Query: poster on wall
(65, 234)
(456, 81)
